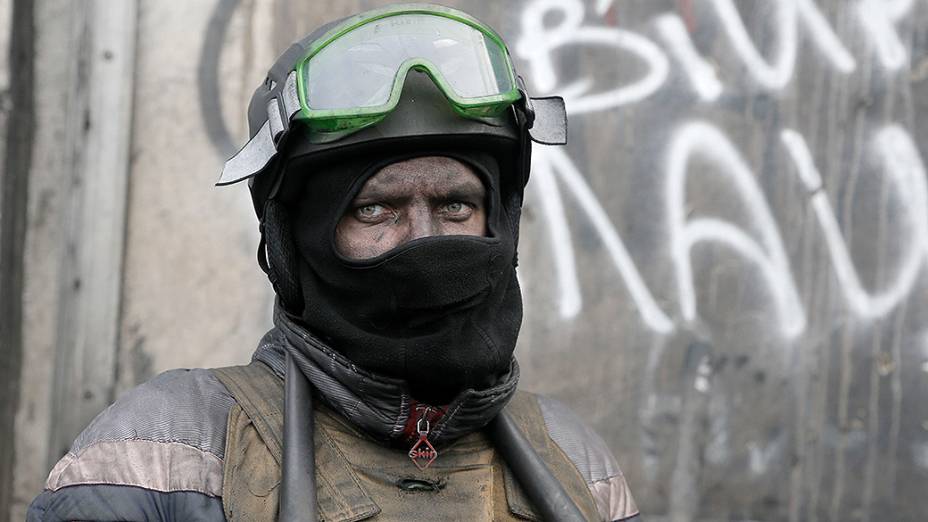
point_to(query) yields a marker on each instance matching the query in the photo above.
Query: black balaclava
(442, 312)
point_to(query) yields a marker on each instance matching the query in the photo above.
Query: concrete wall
(724, 272)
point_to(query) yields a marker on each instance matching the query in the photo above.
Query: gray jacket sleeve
(593, 459)
(155, 454)
(104, 502)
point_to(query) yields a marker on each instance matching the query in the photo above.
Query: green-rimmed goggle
(352, 76)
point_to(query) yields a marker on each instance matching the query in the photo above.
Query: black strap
(298, 483)
(258, 391)
(540, 486)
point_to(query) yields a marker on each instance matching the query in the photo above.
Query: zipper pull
(422, 452)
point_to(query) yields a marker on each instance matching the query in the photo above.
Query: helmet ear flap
(283, 263)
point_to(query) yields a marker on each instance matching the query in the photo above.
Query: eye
(457, 210)
(371, 212)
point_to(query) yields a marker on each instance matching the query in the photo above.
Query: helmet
(423, 100)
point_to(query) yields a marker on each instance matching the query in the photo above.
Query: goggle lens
(359, 68)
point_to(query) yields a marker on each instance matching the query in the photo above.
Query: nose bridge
(421, 222)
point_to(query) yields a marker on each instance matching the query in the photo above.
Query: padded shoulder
(592, 457)
(165, 435)
(183, 406)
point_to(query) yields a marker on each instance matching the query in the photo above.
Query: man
(387, 163)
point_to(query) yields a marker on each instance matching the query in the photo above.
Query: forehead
(425, 172)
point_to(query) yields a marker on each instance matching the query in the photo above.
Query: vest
(359, 479)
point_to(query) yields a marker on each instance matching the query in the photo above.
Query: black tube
(298, 482)
(539, 484)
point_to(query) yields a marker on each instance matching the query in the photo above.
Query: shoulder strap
(524, 410)
(260, 393)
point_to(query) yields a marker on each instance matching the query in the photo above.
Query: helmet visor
(359, 69)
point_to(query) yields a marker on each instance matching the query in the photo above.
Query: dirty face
(407, 200)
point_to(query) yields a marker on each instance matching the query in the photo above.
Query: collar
(378, 405)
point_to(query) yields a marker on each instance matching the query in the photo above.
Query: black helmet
(423, 118)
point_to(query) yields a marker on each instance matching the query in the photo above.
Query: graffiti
(208, 78)
(701, 74)
(760, 457)
(538, 42)
(555, 162)
(758, 239)
(789, 13)
(902, 163)
(768, 254)
(878, 18)
(564, 258)
(770, 73)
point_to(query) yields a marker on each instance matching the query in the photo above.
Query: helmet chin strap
(278, 258)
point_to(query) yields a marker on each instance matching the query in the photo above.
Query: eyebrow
(470, 193)
(470, 186)
(469, 190)
(375, 193)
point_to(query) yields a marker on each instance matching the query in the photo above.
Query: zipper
(422, 453)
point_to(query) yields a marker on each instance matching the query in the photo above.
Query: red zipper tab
(422, 453)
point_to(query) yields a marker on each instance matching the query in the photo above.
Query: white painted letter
(769, 256)
(788, 14)
(879, 18)
(552, 208)
(554, 160)
(537, 43)
(701, 74)
(902, 162)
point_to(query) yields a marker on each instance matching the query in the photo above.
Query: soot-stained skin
(411, 199)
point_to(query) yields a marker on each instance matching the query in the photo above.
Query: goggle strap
(273, 116)
(290, 96)
(262, 251)
(526, 101)
(550, 125)
(547, 119)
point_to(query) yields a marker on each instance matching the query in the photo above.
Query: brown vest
(357, 478)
